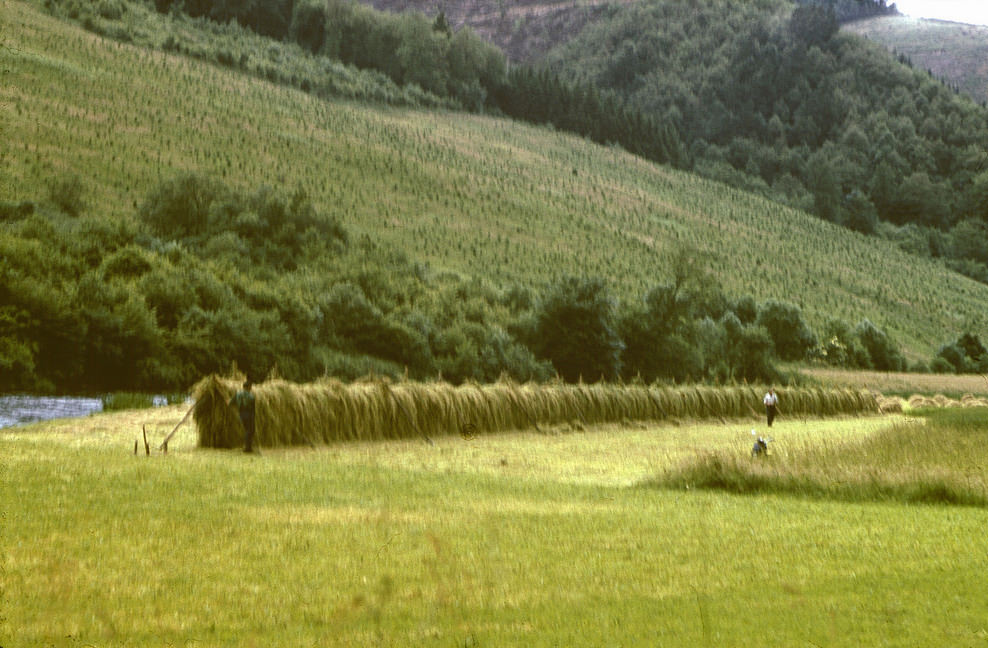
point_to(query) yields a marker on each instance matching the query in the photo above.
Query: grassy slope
(467, 194)
(514, 540)
(954, 52)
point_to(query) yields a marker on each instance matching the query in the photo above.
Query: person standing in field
(244, 401)
(771, 401)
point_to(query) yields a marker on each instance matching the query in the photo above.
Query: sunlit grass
(518, 540)
(938, 458)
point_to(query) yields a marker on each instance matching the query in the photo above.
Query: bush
(126, 401)
(111, 9)
(576, 330)
(356, 324)
(11, 211)
(790, 334)
(882, 353)
(17, 351)
(953, 355)
(745, 308)
(919, 367)
(66, 193)
(181, 207)
(308, 26)
(747, 351)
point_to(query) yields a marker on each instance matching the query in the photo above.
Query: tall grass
(329, 411)
(938, 458)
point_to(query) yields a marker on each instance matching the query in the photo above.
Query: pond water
(15, 410)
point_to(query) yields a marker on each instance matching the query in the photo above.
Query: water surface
(17, 410)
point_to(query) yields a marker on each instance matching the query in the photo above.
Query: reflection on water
(15, 410)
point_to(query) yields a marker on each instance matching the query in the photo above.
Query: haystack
(328, 411)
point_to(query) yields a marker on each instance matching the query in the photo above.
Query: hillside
(461, 195)
(524, 30)
(954, 52)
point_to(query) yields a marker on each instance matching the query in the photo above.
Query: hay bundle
(889, 405)
(970, 400)
(327, 411)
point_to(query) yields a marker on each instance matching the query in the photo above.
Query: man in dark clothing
(244, 401)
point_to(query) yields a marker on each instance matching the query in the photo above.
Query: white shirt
(770, 399)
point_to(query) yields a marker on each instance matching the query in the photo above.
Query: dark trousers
(248, 423)
(770, 414)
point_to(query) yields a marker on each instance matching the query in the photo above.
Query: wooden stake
(147, 448)
(164, 444)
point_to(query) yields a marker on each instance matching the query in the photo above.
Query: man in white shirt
(770, 400)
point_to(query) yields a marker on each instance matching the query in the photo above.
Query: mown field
(506, 540)
(459, 193)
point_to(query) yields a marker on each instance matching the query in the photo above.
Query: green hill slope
(471, 195)
(954, 52)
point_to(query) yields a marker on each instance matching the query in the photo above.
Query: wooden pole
(164, 444)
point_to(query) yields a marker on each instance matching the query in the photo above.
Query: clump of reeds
(923, 461)
(126, 400)
(328, 410)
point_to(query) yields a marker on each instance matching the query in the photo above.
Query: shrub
(66, 193)
(790, 334)
(308, 26)
(11, 211)
(745, 308)
(881, 351)
(953, 355)
(181, 207)
(576, 329)
(358, 325)
(17, 351)
(126, 400)
(126, 263)
(111, 9)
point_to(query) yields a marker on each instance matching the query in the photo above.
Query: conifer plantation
(357, 238)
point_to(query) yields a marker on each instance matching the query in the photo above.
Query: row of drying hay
(329, 411)
(939, 400)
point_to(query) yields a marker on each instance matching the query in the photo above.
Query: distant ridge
(525, 30)
(955, 52)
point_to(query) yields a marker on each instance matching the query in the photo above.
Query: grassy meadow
(467, 194)
(518, 539)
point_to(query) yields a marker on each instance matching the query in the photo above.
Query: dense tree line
(205, 276)
(778, 101)
(848, 10)
(540, 96)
